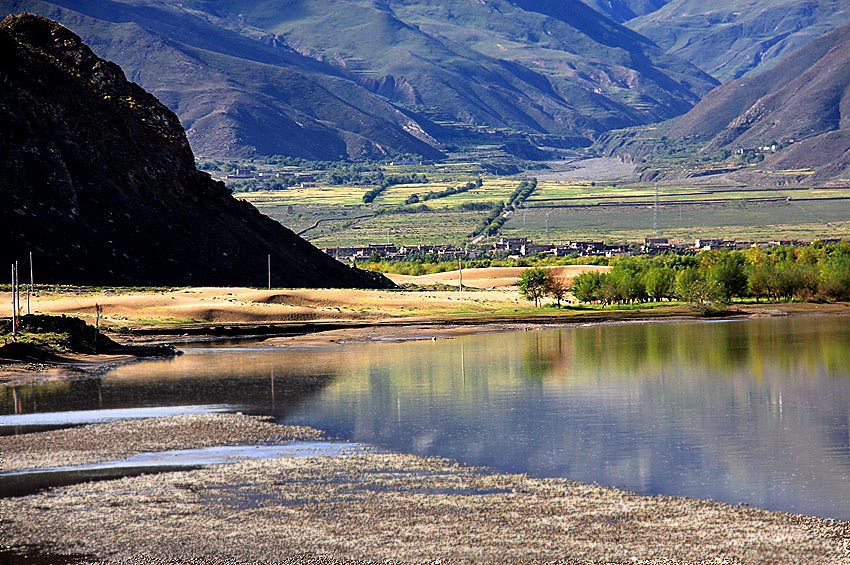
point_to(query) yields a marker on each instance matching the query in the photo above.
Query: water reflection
(252, 381)
(753, 411)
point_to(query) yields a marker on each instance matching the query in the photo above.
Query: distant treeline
(817, 272)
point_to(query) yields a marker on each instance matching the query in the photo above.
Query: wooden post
(98, 309)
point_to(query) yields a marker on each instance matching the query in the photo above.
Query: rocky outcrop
(98, 181)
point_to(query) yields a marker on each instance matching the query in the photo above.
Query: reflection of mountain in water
(739, 411)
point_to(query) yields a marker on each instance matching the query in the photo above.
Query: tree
(726, 271)
(586, 286)
(694, 289)
(557, 289)
(533, 284)
(659, 282)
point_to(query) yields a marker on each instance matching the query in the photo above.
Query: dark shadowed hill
(325, 79)
(98, 181)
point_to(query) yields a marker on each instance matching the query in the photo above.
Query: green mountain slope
(730, 38)
(366, 78)
(537, 67)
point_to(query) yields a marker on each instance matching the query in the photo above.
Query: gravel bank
(116, 440)
(402, 509)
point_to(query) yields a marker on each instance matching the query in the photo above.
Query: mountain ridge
(794, 116)
(347, 79)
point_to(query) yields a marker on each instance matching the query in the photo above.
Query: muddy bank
(47, 346)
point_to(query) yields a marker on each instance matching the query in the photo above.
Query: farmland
(562, 208)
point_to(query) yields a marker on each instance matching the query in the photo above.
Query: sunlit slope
(538, 66)
(730, 38)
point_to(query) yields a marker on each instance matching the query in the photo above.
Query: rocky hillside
(731, 38)
(325, 79)
(98, 181)
(799, 110)
(802, 106)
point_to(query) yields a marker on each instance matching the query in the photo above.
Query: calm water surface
(753, 412)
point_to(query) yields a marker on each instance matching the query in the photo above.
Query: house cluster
(524, 247)
(390, 252)
(304, 180)
(242, 174)
(658, 245)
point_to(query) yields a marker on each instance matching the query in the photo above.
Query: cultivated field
(605, 205)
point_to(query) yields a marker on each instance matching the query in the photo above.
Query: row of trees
(448, 191)
(817, 272)
(498, 215)
(386, 182)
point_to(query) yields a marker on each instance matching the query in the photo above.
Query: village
(520, 247)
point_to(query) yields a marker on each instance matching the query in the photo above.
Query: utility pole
(459, 274)
(655, 227)
(31, 287)
(547, 228)
(14, 313)
(17, 291)
(270, 270)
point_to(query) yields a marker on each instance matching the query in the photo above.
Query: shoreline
(333, 333)
(379, 507)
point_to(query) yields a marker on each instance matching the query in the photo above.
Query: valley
(406, 281)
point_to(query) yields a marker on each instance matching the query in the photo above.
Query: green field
(572, 210)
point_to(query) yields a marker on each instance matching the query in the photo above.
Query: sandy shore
(380, 508)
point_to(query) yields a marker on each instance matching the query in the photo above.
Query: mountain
(98, 181)
(544, 66)
(801, 106)
(731, 38)
(369, 78)
(238, 94)
(624, 10)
